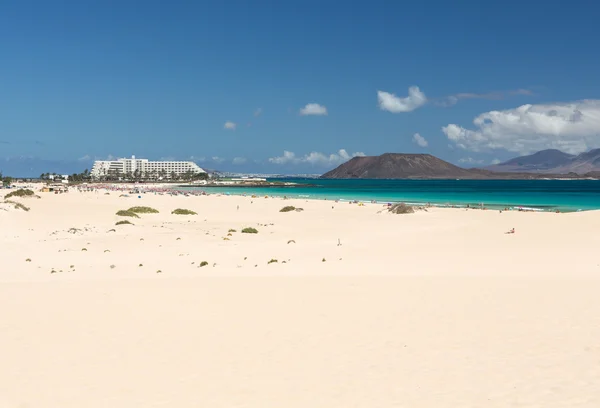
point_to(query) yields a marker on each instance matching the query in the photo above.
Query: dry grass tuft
(183, 211)
(127, 213)
(143, 210)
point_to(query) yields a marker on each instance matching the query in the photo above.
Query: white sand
(433, 309)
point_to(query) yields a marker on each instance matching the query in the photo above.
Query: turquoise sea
(547, 195)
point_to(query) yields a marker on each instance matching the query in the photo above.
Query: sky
(294, 87)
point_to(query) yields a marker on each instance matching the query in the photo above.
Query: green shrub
(127, 213)
(124, 222)
(143, 210)
(203, 263)
(288, 208)
(22, 192)
(183, 211)
(272, 261)
(232, 230)
(249, 230)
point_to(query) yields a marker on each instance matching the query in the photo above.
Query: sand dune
(432, 309)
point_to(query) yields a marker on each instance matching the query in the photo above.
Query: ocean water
(547, 195)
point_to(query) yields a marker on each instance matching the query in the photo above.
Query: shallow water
(547, 195)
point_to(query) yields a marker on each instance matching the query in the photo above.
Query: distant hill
(397, 165)
(552, 161)
(425, 166)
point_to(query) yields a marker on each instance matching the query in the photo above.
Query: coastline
(441, 193)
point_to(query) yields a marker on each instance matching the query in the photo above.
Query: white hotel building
(143, 167)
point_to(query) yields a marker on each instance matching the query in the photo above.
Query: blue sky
(225, 82)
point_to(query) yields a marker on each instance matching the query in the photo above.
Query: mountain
(396, 165)
(552, 161)
(426, 166)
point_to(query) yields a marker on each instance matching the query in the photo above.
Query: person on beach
(512, 231)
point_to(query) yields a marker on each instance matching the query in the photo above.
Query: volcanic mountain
(426, 166)
(552, 161)
(398, 165)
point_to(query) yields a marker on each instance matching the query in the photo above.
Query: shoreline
(170, 188)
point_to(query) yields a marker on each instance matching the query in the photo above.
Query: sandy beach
(362, 308)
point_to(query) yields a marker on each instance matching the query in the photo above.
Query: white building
(143, 167)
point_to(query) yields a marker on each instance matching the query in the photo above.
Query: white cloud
(496, 95)
(469, 160)
(391, 103)
(87, 157)
(229, 125)
(197, 159)
(258, 112)
(315, 158)
(496, 161)
(313, 109)
(238, 160)
(217, 159)
(420, 140)
(573, 127)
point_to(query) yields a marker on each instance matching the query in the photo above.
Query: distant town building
(63, 178)
(144, 168)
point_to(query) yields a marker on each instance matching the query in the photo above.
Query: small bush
(83, 249)
(22, 192)
(143, 210)
(232, 230)
(127, 213)
(249, 230)
(288, 208)
(28, 260)
(401, 208)
(183, 211)
(124, 222)
(203, 263)
(272, 261)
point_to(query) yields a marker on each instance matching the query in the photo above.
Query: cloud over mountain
(572, 127)
(392, 103)
(420, 140)
(315, 158)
